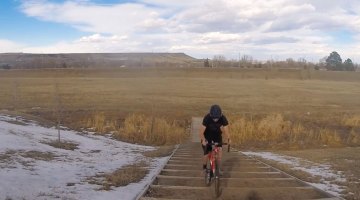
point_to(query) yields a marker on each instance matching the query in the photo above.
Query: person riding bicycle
(214, 125)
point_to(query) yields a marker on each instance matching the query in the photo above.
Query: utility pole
(57, 112)
(15, 98)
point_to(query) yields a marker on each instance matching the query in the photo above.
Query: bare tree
(303, 63)
(206, 63)
(246, 61)
(218, 61)
(290, 62)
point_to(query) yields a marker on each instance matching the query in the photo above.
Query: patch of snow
(327, 175)
(39, 179)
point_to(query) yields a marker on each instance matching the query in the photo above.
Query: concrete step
(200, 161)
(331, 198)
(224, 168)
(227, 174)
(228, 182)
(244, 178)
(152, 198)
(233, 193)
(197, 156)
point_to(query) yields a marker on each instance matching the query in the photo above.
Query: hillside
(96, 60)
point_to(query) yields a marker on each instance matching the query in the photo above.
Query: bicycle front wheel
(207, 177)
(217, 179)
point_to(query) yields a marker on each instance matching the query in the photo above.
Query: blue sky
(262, 29)
(23, 29)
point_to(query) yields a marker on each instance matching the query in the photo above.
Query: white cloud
(7, 46)
(96, 43)
(167, 3)
(218, 37)
(261, 28)
(88, 17)
(98, 38)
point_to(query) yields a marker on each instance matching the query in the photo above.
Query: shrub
(352, 121)
(99, 123)
(274, 131)
(139, 128)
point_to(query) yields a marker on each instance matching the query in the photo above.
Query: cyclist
(214, 125)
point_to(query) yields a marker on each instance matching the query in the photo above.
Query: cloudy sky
(263, 29)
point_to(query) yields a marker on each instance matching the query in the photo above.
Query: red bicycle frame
(214, 154)
(212, 157)
(214, 171)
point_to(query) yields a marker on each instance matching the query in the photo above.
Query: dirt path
(195, 126)
(243, 178)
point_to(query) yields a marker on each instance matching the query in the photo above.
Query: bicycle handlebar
(216, 143)
(219, 143)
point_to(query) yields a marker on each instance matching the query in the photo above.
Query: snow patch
(328, 176)
(64, 177)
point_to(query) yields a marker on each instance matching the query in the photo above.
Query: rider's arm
(201, 133)
(226, 133)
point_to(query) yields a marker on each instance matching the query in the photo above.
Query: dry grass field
(267, 109)
(167, 98)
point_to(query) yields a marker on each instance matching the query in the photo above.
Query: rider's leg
(220, 154)
(205, 157)
(219, 159)
(205, 160)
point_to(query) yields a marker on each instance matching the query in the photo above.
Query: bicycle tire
(207, 177)
(217, 179)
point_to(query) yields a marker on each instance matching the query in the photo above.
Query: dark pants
(207, 148)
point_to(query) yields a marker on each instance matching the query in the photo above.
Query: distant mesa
(96, 60)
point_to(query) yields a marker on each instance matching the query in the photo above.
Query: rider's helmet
(215, 111)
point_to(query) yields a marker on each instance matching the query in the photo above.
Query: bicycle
(213, 171)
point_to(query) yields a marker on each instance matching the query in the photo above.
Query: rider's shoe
(220, 172)
(204, 171)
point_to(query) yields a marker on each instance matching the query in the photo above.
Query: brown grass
(5, 157)
(100, 123)
(161, 151)
(45, 156)
(346, 160)
(16, 122)
(176, 93)
(27, 118)
(105, 99)
(277, 132)
(62, 145)
(352, 121)
(121, 177)
(266, 108)
(140, 128)
(9, 158)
